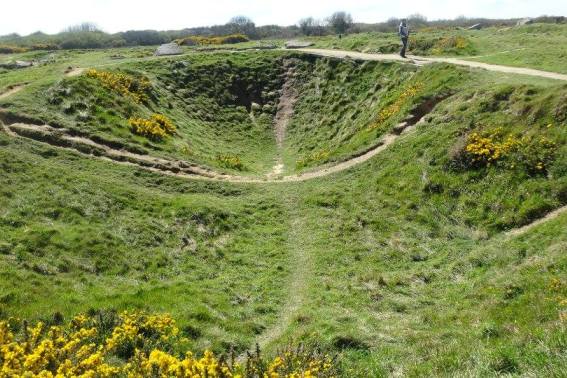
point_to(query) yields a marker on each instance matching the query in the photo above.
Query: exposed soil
(11, 90)
(74, 71)
(286, 103)
(62, 138)
(528, 227)
(284, 114)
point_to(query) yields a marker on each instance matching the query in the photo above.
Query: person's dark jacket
(403, 31)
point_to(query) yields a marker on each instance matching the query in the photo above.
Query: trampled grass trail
(301, 253)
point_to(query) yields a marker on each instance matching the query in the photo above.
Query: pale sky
(51, 16)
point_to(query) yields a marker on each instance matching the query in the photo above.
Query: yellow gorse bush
(219, 40)
(126, 85)
(315, 157)
(450, 43)
(496, 147)
(87, 348)
(394, 108)
(230, 161)
(157, 126)
(485, 149)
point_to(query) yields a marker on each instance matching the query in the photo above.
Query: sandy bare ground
(11, 90)
(286, 104)
(424, 60)
(283, 116)
(74, 71)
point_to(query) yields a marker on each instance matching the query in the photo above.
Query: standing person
(403, 31)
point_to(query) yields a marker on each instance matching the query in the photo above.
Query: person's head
(404, 22)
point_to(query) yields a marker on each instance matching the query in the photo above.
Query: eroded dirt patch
(286, 104)
(74, 71)
(11, 90)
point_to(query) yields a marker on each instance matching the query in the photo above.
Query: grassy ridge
(540, 46)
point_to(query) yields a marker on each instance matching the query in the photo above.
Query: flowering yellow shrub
(496, 147)
(485, 150)
(157, 126)
(315, 157)
(86, 347)
(450, 43)
(230, 161)
(395, 107)
(126, 85)
(220, 40)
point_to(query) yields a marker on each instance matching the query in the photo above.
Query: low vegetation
(219, 40)
(134, 344)
(157, 126)
(403, 265)
(123, 84)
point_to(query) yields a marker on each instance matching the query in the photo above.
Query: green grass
(540, 46)
(399, 265)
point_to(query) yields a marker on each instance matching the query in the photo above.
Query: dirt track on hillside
(62, 138)
(12, 90)
(341, 54)
(286, 104)
(522, 230)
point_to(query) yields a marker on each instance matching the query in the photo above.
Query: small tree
(311, 26)
(417, 20)
(242, 25)
(340, 22)
(84, 27)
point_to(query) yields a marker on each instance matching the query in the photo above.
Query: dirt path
(11, 90)
(284, 114)
(423, 60)
(286, 103)
(301, 263)
(522, 230)
(63, 139)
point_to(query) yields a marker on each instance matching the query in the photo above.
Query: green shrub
(6, 49)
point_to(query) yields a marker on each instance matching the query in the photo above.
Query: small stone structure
(525, 21)
(169, 49)
(475, 27)
(17, 64)
(297, 44)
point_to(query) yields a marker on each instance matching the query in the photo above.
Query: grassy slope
(403, 273)
(400, 280)
(80, 234)
(206, 96)
(339, 103)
